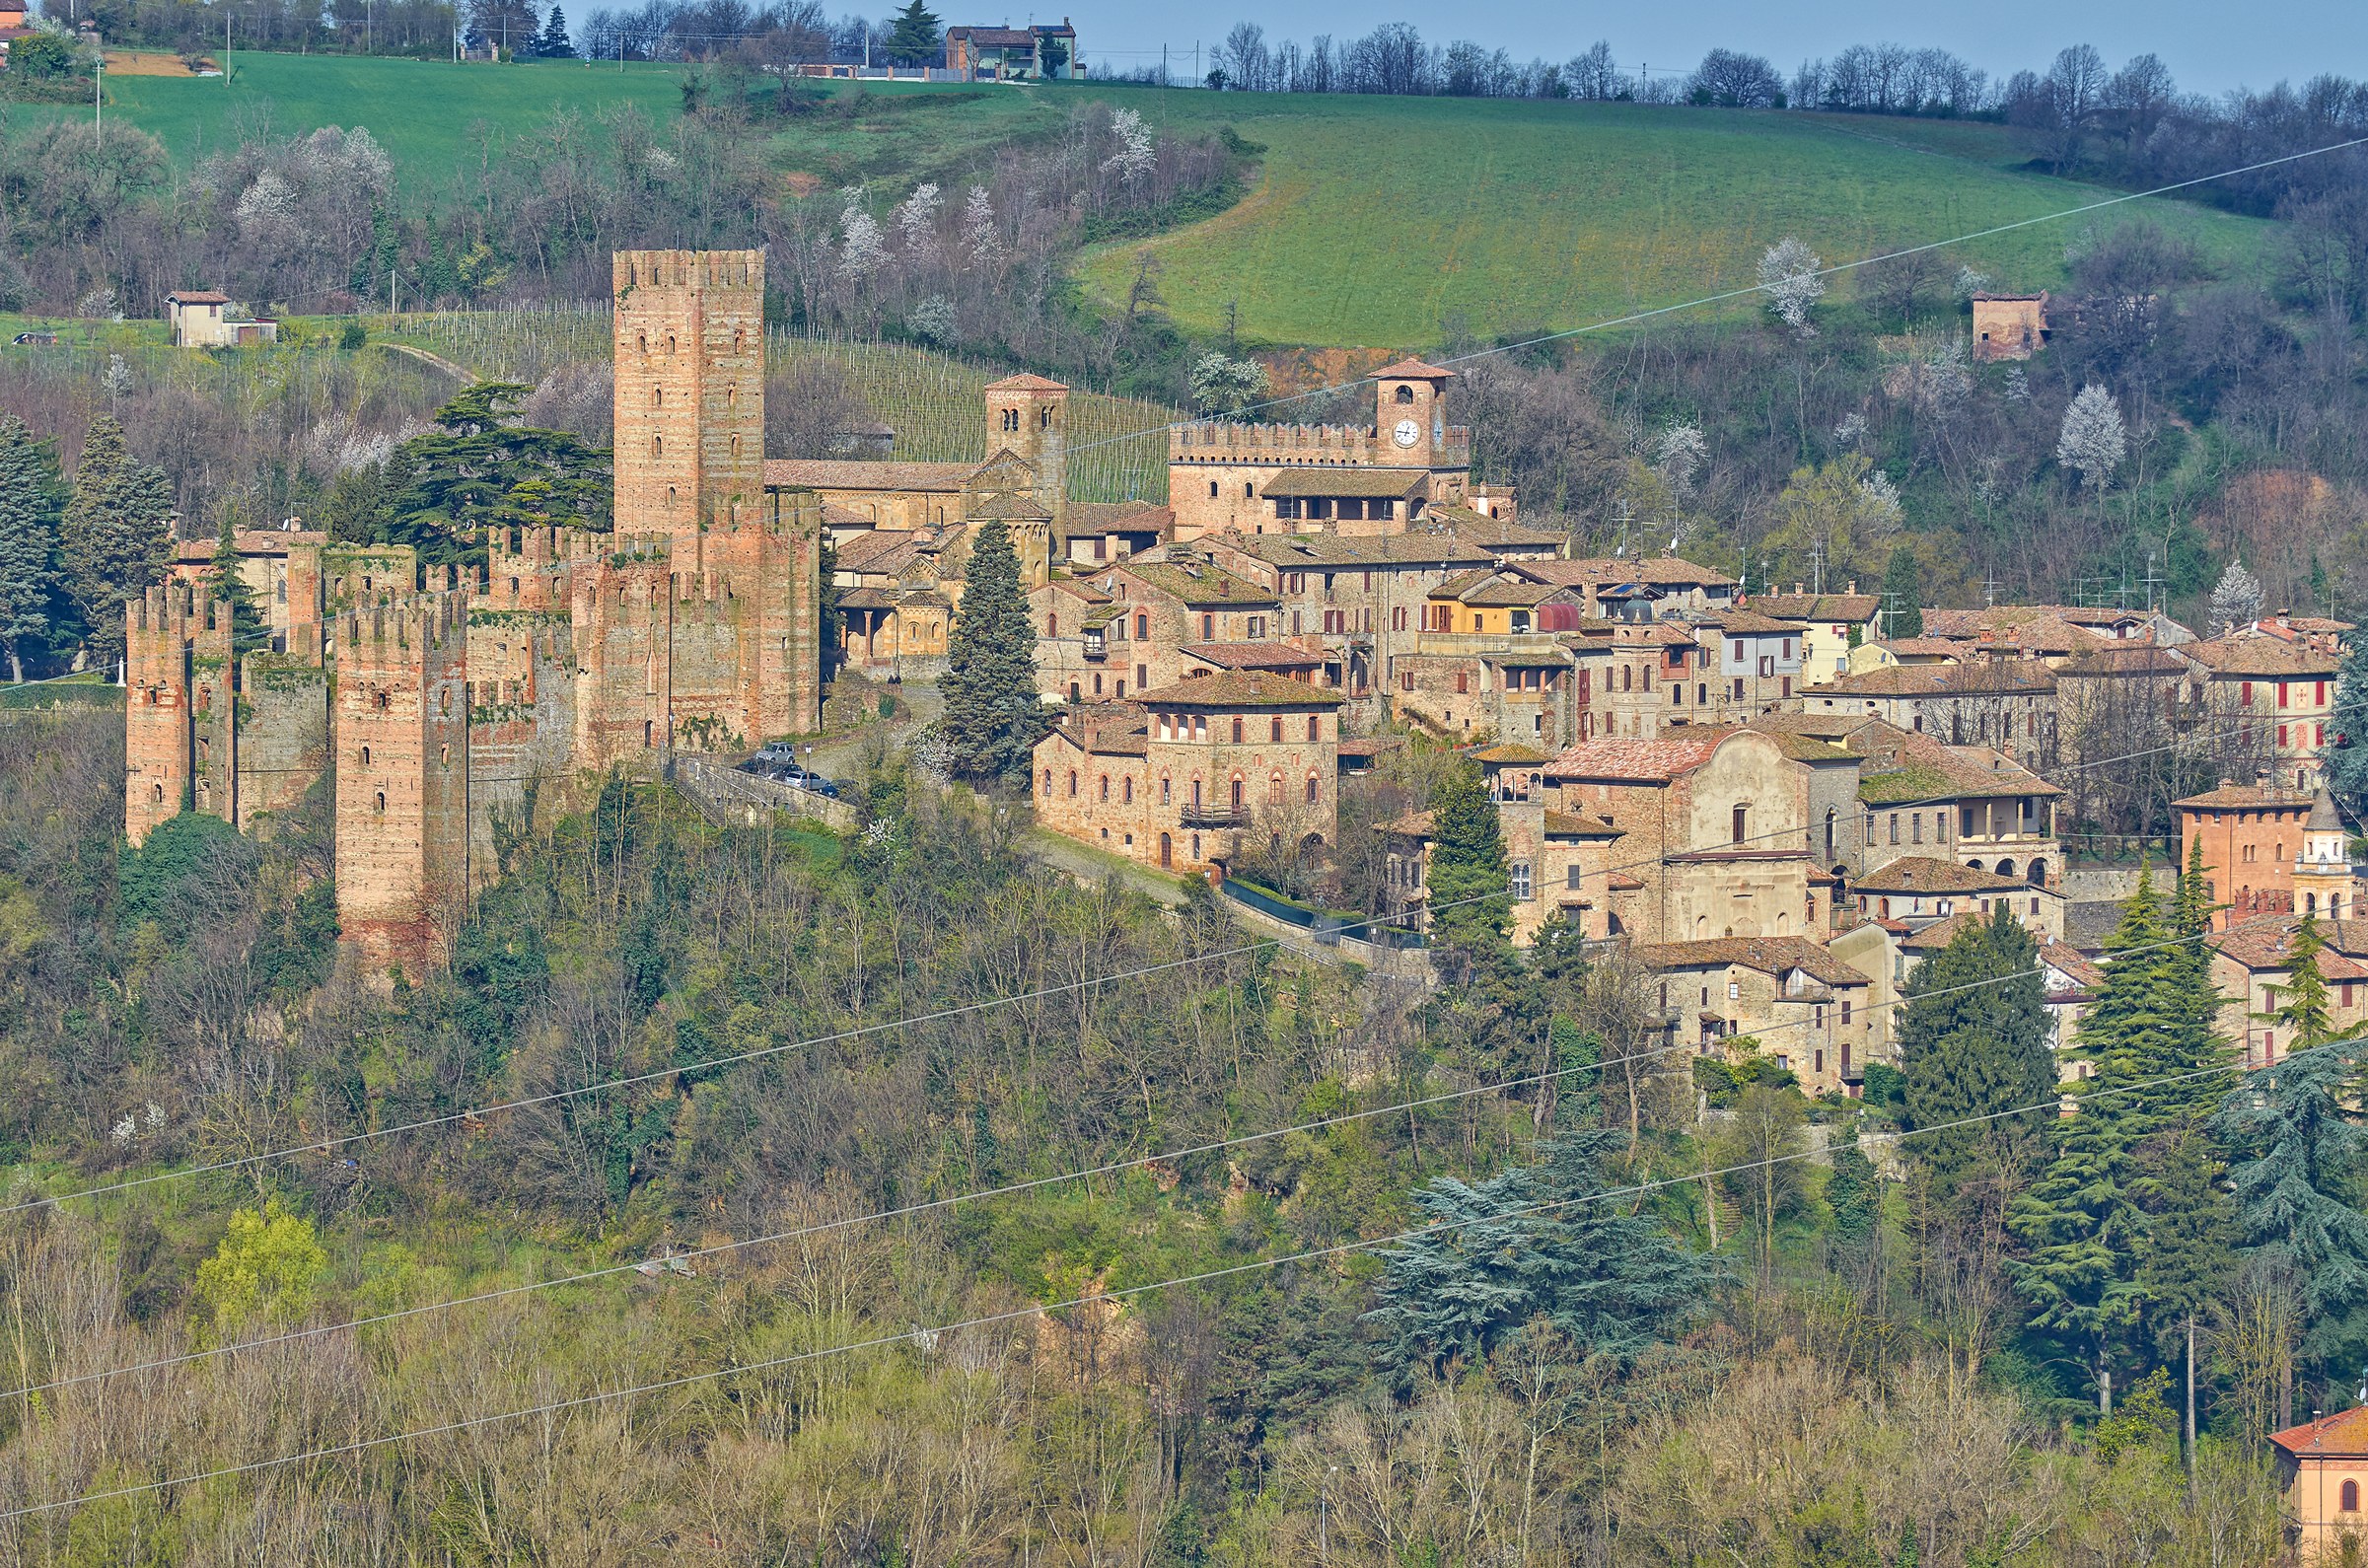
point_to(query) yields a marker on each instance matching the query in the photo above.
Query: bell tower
(1409, 413)
(1030, 416)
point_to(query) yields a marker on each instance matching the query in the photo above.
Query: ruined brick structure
(434, 704)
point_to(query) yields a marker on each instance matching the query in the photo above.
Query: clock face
(1407, 433)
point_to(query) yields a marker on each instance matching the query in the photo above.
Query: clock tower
(1409, 415)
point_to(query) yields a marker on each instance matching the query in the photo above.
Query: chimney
(1853, 588)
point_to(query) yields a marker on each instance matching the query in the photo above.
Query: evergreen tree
(2189, 1252)
(993, 716)
(1902, 595)
(2295, 1167)
(1974, 1037)
(2303, 1008)
(1541, 1239)
(2347, 759)
(225, 582)
(914, 37)
(554, 44)
(1471, 900)
(117, 534)
(479, 469)
(29, 505)
(2196, 1042)
(1854, 1195)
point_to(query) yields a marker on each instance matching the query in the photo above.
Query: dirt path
(438, 361)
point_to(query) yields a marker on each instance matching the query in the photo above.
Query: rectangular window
(1845, 1012)
(2282, 693)
(1915, 827)
(1739, 689)
(1406, 681)
(1895, 827)
(1572, 883)
(1767, 666)
(1520, 882)
(1208, 628)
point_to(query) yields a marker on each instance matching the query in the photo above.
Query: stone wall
(284, 746)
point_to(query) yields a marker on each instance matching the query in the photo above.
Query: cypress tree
(2189, 1252)
(2346, 761)
(1974, 1039)
(1902, 595)
(1471, 901)
(117, 532)
(225, 582)
(28, 497)
(993, 716)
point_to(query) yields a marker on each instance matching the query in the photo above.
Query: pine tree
(225, 582)
(117, 532)
(1535, 1241)
(2196, 1003)
(2347, 759)
(2303, 1008)
(1853, 1194)
(1471, 900)
(1902, 595)
(913, 35)
(2237, 600)
(554, 44)
(2189, 1252)
(29, 506)
(993, 715)
(1974, 1039)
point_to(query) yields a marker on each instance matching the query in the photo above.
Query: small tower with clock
(1411, 412)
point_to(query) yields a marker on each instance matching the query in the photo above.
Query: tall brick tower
(1030, 416)
(401, 730)
(689, 390)
(1411, 412)
(157, 738)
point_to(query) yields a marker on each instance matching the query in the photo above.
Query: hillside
(1377, 219)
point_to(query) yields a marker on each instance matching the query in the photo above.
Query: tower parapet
(689, 395)
(158, 743)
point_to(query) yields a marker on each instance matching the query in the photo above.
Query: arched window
(1405, 395)
(1167, 850)
(1274, 788)
(649, 734)
(1742, 817)
(1315, 729)
(657, 446)
(1274, 727)
(2037, 871)
(1314, 789)
(1075, 694)
(1142, 625)
(1106, 786)
(1237, 729)
(657, 397)
(365, 756)
(1047, 783)
(1051, 626)
(1212, 489)
(1127, 789)
(156, 794)
(444, 754)
(379, 805)
(1072, 783)
(2350, 1498)
(669, 342)
(1237, 792)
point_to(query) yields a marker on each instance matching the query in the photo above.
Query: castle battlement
(678, 269)
(435, 621)
(1216, 440)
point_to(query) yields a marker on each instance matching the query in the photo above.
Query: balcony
(1096, 650)
(1213, 815)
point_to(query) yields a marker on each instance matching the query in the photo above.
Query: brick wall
(157, 742)
(689, 394)
(283, 745)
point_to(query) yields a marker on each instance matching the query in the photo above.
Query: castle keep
(436, 703)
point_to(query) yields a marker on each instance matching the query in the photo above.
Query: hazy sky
(2209, 47)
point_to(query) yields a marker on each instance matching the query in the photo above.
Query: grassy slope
(1378, 218)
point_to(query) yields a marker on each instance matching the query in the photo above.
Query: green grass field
(1375, 220)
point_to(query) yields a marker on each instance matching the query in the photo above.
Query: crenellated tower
(158, 743)
(689, 394)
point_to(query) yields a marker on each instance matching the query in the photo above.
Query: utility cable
(927, 1336)
(324, 1144)
(932, 1205)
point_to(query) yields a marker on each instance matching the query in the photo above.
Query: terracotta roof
(1078, 588)
(2269, 945)
(1495, 533)
(1920, 768)
(2260, 656)
(1750, 620)
(2077, 969)
(1662, 571)
(1415, 824)
(197, 297)
(1024, 382)
(2343, 1434)
(1859, 608)
(2146, 658)
(1510, 751)
(1007, 507)
(2247, 797)
(1252, 690)
(1417, 546)
(1503, 593)
(1939, 934)
(1942, 680)
(1412, 370)
(1921, 647)
(1252, 655)
(835, 474)
(1806, 748)
(1965, 624)
(866, 598)
(1819, 726)
(1372, 744)
(1393, 484)
(1196, 585)
(1639, 761)
(1665, 633)
(995, 37)
(1117, 516)
(1768, 955)
(1578, 824)
(1924, 874)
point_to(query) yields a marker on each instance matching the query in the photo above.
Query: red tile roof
(1914, 873)
(1639, 761)
(2260, 656)
(2343, 1434)
(1256, 691)
(1410, 370)
(1252, 655)
(1025, 382)
(2247, 797)
(1768, 955)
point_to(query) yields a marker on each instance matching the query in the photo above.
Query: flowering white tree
(1678, 455)
(1226, 387)
(979, 241)
(1788, 276)
(917, 220)
(863, 246)
(2092, 440)
(2237, 601)
(1970, 283)
(1136, 154)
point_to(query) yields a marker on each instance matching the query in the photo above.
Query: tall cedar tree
(2190, 1251)
(224, 582)
(1902, 595)
(480, 470)
(2081, 1218)
(2347, 759)
(117, 534)
(1471, 901)
(914, 37)
(1549, 1239)
(29, 506)
(1974, 1039)
(2195, 1008)
(993, 716)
